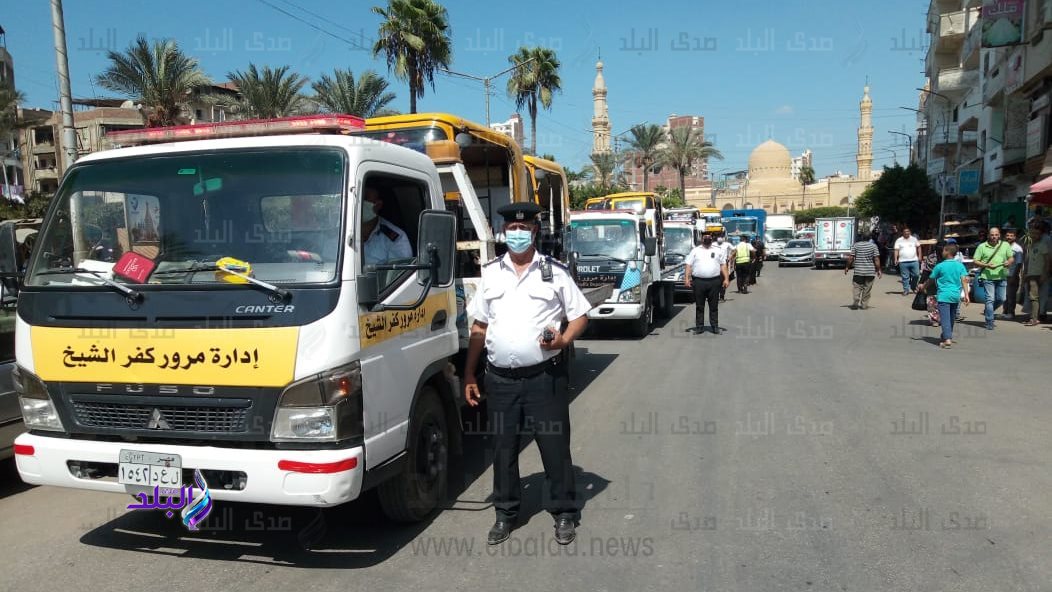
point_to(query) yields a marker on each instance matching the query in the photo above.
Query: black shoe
(499, 533)
(565, 531)
(715, 330)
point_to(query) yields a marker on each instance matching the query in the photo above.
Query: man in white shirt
(1012, 289)
(729, 256)
(706, 274)
(527, 310)
(383, 240)
(907, 258)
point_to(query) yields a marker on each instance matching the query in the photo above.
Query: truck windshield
(780, 234)
(618, 239)
(739, 226)
(678, 240)
(276, 212)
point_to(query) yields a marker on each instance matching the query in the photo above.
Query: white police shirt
(386, 243)
(705, 262)
(517, 309)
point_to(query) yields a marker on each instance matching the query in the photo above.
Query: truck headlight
(630, 295)
(38, 410)
(326, 407)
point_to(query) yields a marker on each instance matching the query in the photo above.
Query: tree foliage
(807, 175)
(685, 147)
(582, 192)
(901, 195)
(160, 77)
(644, 148)
(367, 96)
(268, 92)
(808, 216)
(533, 83)
(414, 39)
(34, 207)
(672, 199)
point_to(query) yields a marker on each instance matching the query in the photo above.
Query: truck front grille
(160, 418)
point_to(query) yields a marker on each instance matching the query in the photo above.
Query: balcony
(44, 148)
(970, 50)
(46, 173)
(956, 81)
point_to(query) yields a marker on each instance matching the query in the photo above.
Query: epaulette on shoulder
(389, 232)
(493, 260)
(558, 263)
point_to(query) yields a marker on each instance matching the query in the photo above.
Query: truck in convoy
(16, 242)
(834, 238)
(680, 239)
(712, 218)
(738, 223)
(213, 305)
(780, 229)
(618, 249)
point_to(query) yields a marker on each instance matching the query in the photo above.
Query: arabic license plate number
(149, 469)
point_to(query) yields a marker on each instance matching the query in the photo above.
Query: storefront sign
(1002, 22)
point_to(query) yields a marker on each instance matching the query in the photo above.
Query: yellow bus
(713, 220)
(547, 180)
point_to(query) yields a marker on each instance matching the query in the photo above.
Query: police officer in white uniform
(383, 240)
(706, 274)
(527, 310)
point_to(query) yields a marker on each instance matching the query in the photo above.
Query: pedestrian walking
(928, 263)
(743, 257)
(707, 274)
(728, 255)
(951, 288)
(865, 260)
(906, 253)
(527, 311)
(994, 258)
(1014, 279)
(758, 259)
(1037, 268)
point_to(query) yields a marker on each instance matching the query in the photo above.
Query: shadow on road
(355, 535)
(10, 482)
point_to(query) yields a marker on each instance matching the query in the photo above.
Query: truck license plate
(150, 469)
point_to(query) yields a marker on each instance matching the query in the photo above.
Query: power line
(354, 44)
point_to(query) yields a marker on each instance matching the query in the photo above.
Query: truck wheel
(641, 326)
(416, 491)
(668, 294)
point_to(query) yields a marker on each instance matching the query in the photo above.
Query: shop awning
(1041, 192)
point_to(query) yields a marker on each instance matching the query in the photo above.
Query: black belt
(525, 371)
(715, 277)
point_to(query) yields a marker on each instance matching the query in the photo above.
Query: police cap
(520, 212)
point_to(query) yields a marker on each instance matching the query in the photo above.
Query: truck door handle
(439, 320)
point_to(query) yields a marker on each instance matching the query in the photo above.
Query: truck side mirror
(650, 246)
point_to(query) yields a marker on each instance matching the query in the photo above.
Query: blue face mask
(518, 241)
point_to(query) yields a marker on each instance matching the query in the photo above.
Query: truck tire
(668, 296)
(415, 492)
(641, 326)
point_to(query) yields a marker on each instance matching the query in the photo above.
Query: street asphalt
(808, 447)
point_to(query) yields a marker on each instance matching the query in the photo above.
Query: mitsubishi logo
(157, 421)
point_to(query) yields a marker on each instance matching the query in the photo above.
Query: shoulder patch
(390, 233)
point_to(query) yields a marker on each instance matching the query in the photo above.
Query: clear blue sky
(791, 70)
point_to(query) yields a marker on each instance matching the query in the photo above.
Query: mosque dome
(770, 160)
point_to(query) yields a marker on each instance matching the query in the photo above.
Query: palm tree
(807, 175)
(533, 82)
(414, 37)
(604, 164)
(365, 97)
(268, 93)
(685, 147)
(645, 146)
(160, 77)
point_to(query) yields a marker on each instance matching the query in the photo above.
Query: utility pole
(486, 80)
(69, 134)
(942, 175)
(908, 137)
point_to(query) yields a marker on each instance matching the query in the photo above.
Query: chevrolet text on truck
(207, 305)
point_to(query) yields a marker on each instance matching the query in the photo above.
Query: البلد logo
(200, 506)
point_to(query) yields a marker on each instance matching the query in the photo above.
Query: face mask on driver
(518, 241)
(368, 211)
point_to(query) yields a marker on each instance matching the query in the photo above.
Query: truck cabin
(609, 237)
(547, 181)
(493, 161)
(596, 203)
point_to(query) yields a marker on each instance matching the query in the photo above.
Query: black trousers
(538, 406)
(744, 273)
(707, 290)
(1011, 295)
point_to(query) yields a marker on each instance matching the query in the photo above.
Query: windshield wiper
(277, 294)
(129, 293)
(610, 257)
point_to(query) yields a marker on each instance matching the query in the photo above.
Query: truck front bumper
(320, 477)
(616, 311)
